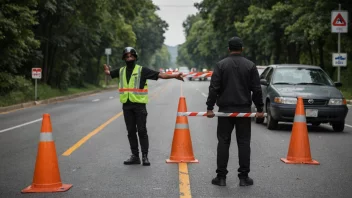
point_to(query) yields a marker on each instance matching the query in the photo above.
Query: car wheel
(271, 123)
(338, 126)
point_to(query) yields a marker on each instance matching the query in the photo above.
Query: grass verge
(44, 92)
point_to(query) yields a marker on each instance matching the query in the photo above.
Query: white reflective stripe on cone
(46, 137)
(300, 118)
(181, 126)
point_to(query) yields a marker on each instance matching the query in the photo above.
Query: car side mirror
(263, 82)
(338, 84)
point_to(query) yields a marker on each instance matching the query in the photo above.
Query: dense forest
(67, 39)
(274, 32)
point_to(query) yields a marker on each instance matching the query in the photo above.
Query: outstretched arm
(155, 75)
(178, 76)
(114, 73)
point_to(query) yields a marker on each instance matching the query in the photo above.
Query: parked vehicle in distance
(323, 102)
(184, 70)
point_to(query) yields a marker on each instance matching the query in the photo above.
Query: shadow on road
(323, 128)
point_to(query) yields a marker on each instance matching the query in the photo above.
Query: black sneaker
(219, 181)
(134, 159)
(145, 160)
(246, 181)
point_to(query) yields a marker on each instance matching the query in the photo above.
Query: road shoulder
(11, 108)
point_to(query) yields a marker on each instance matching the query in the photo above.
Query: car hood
(312, 91)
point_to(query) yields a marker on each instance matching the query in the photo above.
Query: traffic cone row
(298, 152)
(47, 175)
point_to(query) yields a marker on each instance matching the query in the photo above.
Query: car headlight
(285, 100)
(337, 102)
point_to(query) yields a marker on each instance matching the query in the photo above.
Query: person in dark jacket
(234, 79)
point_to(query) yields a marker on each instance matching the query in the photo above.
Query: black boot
(145, 160)
(246, 181)
(220, 181)
(134, 159)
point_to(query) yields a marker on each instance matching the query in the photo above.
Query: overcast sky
(174, 12)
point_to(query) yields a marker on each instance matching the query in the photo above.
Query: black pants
(136, 120)
(243, 136)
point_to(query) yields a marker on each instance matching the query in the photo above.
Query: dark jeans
(136, 120)
(243, 136)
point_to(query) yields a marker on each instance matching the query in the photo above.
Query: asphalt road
(95, 165)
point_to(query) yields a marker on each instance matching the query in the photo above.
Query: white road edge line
(96, 100)
(111, 97)
(21, 125)
(205, 95)
(348, 125)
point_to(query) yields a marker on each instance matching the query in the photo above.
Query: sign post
(36, 74)
(339, 24)
(107, 52)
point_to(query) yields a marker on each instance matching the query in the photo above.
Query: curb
(52, 100)
(349, 102)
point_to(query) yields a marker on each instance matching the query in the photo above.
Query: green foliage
(13, 83)
(149, 29)
(293, 31)
(161, 59)
(67, 39)
(17, 42)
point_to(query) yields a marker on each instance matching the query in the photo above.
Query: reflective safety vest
(130, 90)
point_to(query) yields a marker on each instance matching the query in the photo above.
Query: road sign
(108, 51)
(339, 59)
(339, 21)
(36, 73)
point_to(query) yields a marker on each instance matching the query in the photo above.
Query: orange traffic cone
(299, 148)
(46, 174)
(182, 150)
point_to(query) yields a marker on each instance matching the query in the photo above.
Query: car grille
(316, 102)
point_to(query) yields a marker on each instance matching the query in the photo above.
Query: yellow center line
(101, 127)
(181, 90)
(91, 134)
(184, 183)
(185, 186)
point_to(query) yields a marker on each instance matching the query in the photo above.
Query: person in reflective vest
(133, 90)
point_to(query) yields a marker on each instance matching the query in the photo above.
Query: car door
(267, 89)
(265, 76)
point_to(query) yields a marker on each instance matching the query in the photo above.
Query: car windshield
(260, 71)
(183, 69)
(303, 76)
